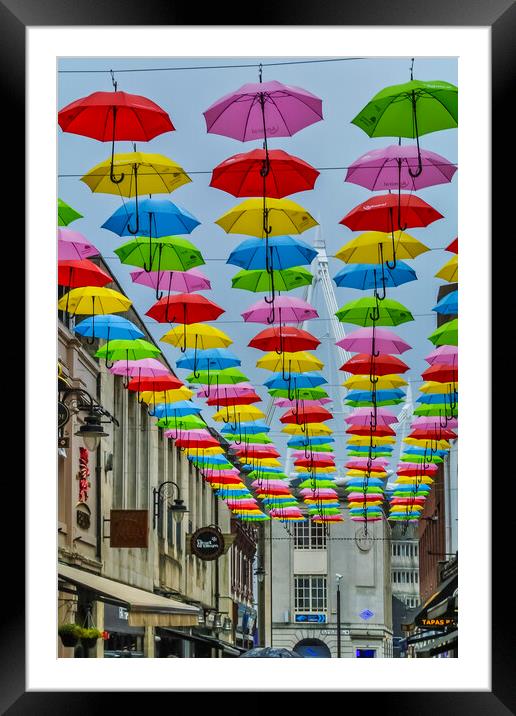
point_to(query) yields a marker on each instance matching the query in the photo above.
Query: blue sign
(317, 618)
(366, 614)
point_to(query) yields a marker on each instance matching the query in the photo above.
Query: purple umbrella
(261, 110)
(289, 309)
(445, 355)
(388, 168)
(72, 245)
(373, 340)
(182, 281)
(425, 423)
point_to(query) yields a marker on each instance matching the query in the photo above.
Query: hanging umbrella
(448, 305)
(366, 364)
(185, 308)
(300, 392)
(373, 340)
(226, 376)
(212, 358)
(181, 281)
(448, 389)
(450, 271)
(284, 338)
(282, 280)
(378, 247)
(446, 334)
(66, 214)
(243, 413)
(226, 391)
(176, 410)
(298, 380)
(286, 403)
(258, 439)
(308, 428)
(71, 245)
(372, 401)
(275, 174)
(384, 382)
(93, 300)
(199, 337)
(122, 349)
(453, 247)
(259, 110)
(305, 440)
(288, 308)
(364, 276)
(380, 430)
(410, 110)
(249, 428)
(246, 398)
(166, 396)
(378, 439)
(299, 362)
(441, 373)
(196, 439)
(151, 217)
(395, 167)
(140, 368)
(109, 327)
(307, 415)
(111, 116)
(76, 273)
(267, 217)
(447, 355)
(180, 426)
(368, 311)
(377, 213)
(424, 423)
(281, 252)
(161, 383)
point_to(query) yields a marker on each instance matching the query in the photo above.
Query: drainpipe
(98, 490)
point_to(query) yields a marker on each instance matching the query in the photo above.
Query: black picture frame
(500, 16)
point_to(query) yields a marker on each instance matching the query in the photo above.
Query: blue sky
(330, 145)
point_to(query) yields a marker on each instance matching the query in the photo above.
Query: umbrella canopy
(446, 334)
(109, 327)
(368, 311)
(367, 364)
(166, 396)
(296, 380)
(258, 110)
(226, 391)
(308, 429)
(176, 410)
(93, 300)
(448, 305)
(171, 253)
(444, 354)
(280, 252)
(286, 403)
(365, 429)
(76, 273)
(384, 382)
(243, 412)
(450, 271)
(376, 247)
(300, 392)
(165, 382)
(389, 212)
(181, 281)
(299, 362)
(217, 358)
(284, 338)
(243, 174)
(441, 373)
(122, 349)
(284, 216)
(184, 308)
(365, 276)
(394, 167)
(453, 247)
(306, 414)
(369, 340)
(71, 245)
(142, 367)
(263, 280)
(225, 376)
(66, 214)
(151, 217)
(286, 308)
(244, 399)
(200, 336)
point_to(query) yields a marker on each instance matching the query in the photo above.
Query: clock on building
(362, 540)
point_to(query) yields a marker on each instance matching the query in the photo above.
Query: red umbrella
(377, 213)
(166, 382)
(223, 479)
(244, 399)
(408, 501)
(306, 414)
(416, 472)
(260, 451)
(259, 173)
(436, 433)
(184, 308)
(77, 273)
(187, 441)
(320, 462)
(380, 430)
(110, 116)
(441, 373)
(366, 364)
(454, 246)
(284, 339)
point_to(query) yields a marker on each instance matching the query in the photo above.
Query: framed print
(56, 53)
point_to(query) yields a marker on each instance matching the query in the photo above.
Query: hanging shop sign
(129, 528)
(207, 543)
(311, 618)
(63, 414)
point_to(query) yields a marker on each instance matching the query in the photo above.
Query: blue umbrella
(448, 305)
(301, 441)
(172, 410)
(151, 217)
(215, 459)
(310, 379)
(284, 252)
(108, 326)
(249, 428)
(438, 398)
(360, 482)
(365, 448)
(422, 451)
(212, 358)
(365, 276)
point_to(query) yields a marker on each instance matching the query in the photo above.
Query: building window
(310, 594)
(415, 550)
(309, 535)
(416, 577)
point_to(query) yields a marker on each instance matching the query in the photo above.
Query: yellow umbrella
(246, 413)
(299, 362)
(450, 271)
(375, 247)
(365, 440)
(370, 503)
(311, 429)
(361, 473)
(166, 396)
(222, 485)
(93, 300)
(265, 461)
(205, 451)
(424, 443)
(282, 216)
(432, 386)
(142, 174)
(326, 470)
(362, 382)
(200, 336)
(404, 480)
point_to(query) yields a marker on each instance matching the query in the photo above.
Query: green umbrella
(186, 422)
(122, 349)
(257, 439)
(65, 213)
(436, 409)
(319, 482)
(283, 280)
(367, 403)
(410, 110)
(299, 393)
(369, 311)
(262, 474)
(227, 376)
(169, 253)
(447, 334)
(374, 454)
(421, 458)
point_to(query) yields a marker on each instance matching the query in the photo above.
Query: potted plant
(89, 637)
(69, 633)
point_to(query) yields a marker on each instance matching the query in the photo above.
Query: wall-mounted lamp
(91, 431)
(260, 574)
(178, 507)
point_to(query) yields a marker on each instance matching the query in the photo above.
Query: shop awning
(145, 608)
(445, 590)
(438, 644)
(231, 649)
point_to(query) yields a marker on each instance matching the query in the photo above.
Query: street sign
(366, 614)
(311, 618)
(207, 543)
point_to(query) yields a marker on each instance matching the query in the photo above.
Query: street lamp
(338, 577)
(260, 574)
(91, 431)
(178, 508)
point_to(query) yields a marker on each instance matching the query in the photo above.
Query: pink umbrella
(73, 245)
(362, 416)
(417, 466)
(287, 308)
(388, 168)
(359, 462)
(263, 482)
(367, 340)
(429, 423)
(286, 403)
(226, 391)
(320, 492)
(445, 355)
(291, 511)
(301, 454)
(182, 281)
(142, 368)
(264, 109)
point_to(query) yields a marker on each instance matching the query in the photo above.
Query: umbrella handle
(151, 413)
(148, 270)
(90, 342)
(111, 169)
(384, 290)
(419, 162)
(388, 263)
(273, 292)
(137, 216)
(108, 364)
(272, 315)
